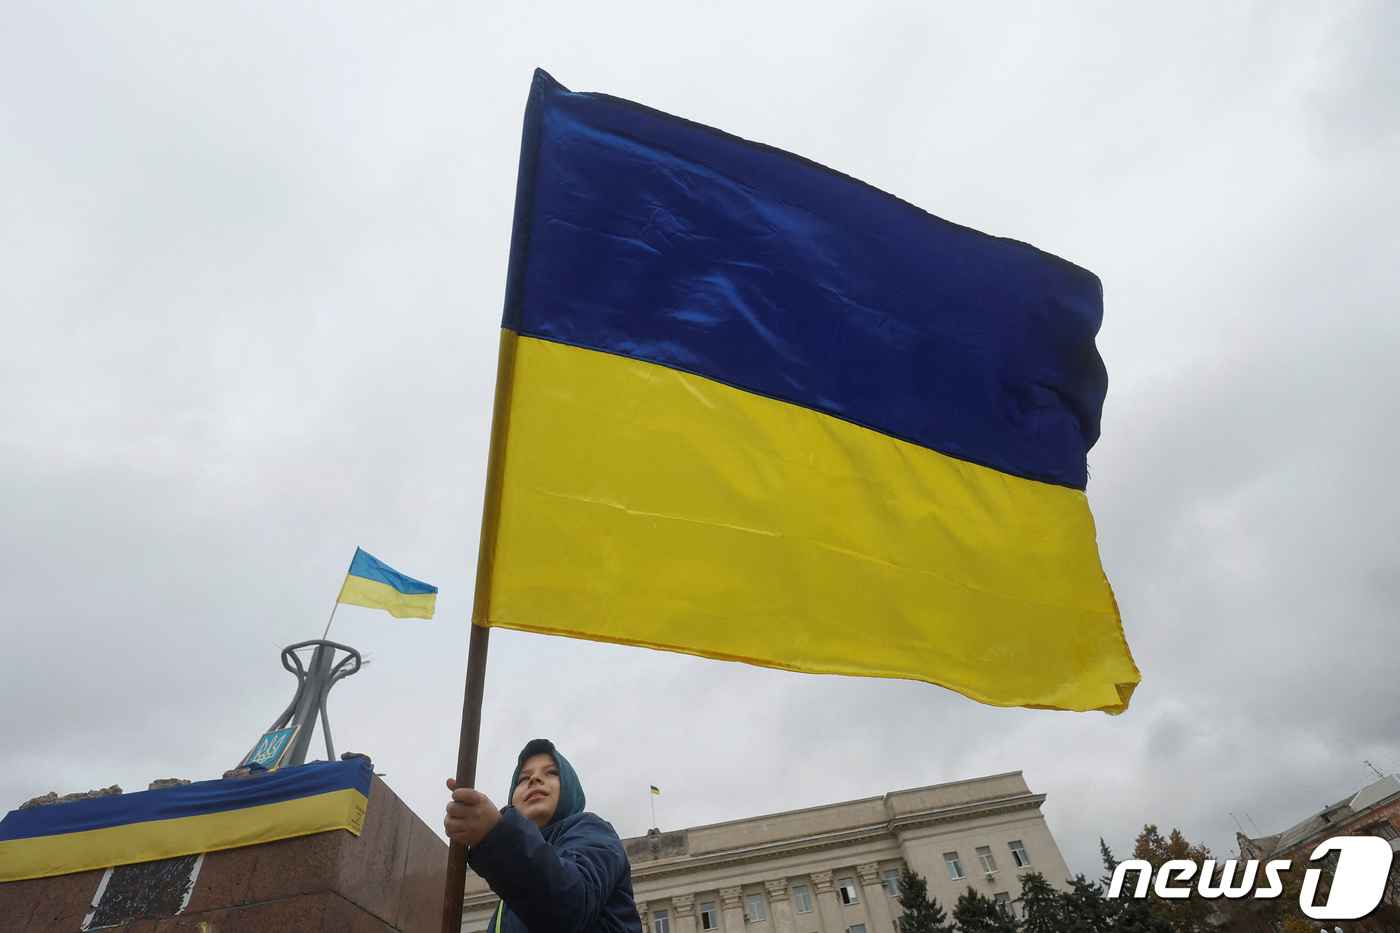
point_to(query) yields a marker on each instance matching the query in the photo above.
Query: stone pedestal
(389, 879)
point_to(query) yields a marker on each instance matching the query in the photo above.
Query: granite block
(424, 878)
(370, 870)
(49, 904)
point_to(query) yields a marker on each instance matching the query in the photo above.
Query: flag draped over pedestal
(206, 816)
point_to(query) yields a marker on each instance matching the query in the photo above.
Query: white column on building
(781, 903)
(877, 898)
(642, 912)
(732, 905)
(684, 906)
(827, 906)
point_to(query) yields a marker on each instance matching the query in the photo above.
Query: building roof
(1378, 792)
(1326, 819)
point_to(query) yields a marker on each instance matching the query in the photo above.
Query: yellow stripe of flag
(851, 552)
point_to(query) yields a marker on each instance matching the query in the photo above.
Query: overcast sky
(252, 258)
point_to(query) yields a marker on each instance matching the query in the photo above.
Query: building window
(1005, 906)
(846, 890)
(801, 899)
(856, 928)
(755, 902)
(1018, 854)
(709, 918)
(989, 864)
(954, 866)
(1384, 829)
(660, 921)
(892, 882)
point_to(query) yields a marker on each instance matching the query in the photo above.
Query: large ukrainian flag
(753, 409)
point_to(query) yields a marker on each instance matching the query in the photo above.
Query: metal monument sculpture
(314, 682)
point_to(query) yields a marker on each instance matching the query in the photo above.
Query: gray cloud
(251, 267)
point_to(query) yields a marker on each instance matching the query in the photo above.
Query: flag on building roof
(375, 585)
(752, 409)
(205, 816)
(655, 790)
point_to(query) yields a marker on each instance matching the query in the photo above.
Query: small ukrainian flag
(376, 585)
(655, 790)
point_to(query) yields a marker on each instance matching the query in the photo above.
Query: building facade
(834, 868)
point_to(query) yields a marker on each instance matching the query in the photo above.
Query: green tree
(1042, 907)
(1086, 909)
(977, 913)
(921, 912)
(1109, 863)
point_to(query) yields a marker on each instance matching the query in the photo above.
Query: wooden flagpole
(456, 886)
(336, 605)
(331, 619)
(456, 882)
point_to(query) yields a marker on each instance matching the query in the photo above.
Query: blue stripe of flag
(681, 245)
(371, 568)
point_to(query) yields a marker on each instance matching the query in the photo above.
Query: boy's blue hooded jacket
(570, 877)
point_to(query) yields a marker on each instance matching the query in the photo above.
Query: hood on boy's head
(571, 798)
